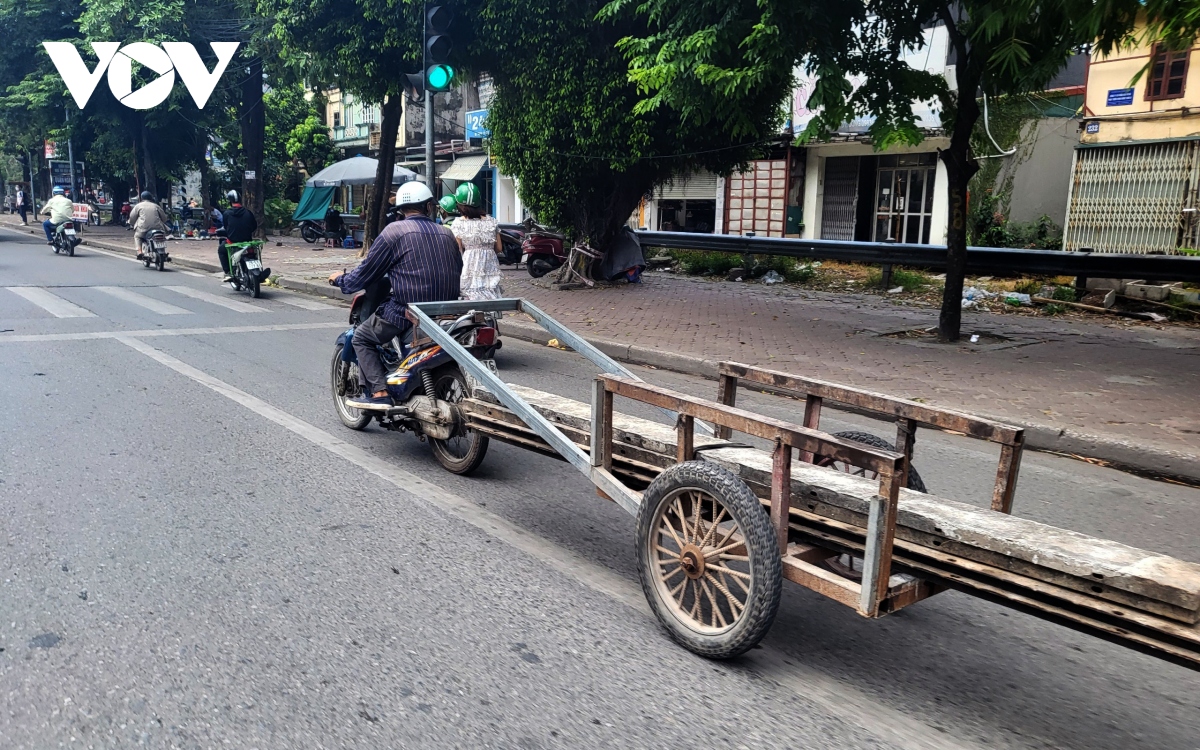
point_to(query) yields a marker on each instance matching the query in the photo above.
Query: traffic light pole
(430, 167)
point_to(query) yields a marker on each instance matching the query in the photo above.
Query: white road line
(111, 254)
(839, 699)
(161, 332)
(141, 300)
(193, 273)
(215, 299)
(296, 300)
(51, 303)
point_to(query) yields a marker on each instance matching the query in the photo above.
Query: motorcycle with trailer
(424, 381)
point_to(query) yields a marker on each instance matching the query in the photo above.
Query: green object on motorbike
(469, 194)
(448, 204)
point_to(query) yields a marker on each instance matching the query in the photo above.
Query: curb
(1119, 454)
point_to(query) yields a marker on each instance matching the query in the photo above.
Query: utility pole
(71, 160)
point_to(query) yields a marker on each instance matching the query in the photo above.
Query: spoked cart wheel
(708, 559)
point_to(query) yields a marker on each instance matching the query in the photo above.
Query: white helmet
(413, 193)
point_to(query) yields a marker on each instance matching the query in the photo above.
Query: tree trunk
(149, 171)
(960, 168)
(254, 133)
(205, 202)
(120, 191)
(392, 109)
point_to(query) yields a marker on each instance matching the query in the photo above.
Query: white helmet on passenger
(413, 194)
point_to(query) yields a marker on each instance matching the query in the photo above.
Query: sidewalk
(1124, 391)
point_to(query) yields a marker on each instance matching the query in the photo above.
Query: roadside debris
(771, 277)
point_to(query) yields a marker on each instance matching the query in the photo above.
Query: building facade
(1136, 169)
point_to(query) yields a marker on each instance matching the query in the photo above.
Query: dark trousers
(21, 210)
(223, 254)
(367, 337)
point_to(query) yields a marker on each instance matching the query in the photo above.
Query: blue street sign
(475, 122)
(1120, 97)
(1093, 127)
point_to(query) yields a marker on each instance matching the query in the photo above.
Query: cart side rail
(907, 414)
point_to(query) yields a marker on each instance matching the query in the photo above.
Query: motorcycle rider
(422, 261)
(239, 225)
(60, 209)
(147, 216)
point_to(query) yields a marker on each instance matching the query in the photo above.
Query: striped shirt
(419, 257)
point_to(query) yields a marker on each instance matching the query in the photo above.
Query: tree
(565, 119)
(309, 143)
(1000, 48)
(362, 47)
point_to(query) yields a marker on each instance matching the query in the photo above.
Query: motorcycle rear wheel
(463, 453)
(538, 268)
(342, 375)
(160, 262)
(253, 285)
(309, 234)
(71, 249)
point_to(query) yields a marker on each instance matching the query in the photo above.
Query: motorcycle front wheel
(463, 453)
(309, 234)
(344, 381)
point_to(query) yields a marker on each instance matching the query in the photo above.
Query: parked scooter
(65, 238)
(154, 249)
(245, 264)
(424, 382)
(312, 230)
(542, 249)
(511, 241)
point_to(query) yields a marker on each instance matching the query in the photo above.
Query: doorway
(904, 188)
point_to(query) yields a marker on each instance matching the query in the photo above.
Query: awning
(465, 168)
(313, 204)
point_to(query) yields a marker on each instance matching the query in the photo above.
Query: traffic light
(439, 76)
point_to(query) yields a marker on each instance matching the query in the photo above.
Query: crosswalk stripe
(51, 303)
(215, 299)
(295, 300)
(141, 300)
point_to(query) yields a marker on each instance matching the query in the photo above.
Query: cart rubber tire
(457, 462)
(761, 548)
(915, 483)
(352, 418)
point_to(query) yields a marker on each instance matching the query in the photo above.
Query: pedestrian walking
(24, 204)
(479, 241)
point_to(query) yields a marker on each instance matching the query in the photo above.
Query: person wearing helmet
(447, 210)
(60, 209)
(239, 225)
(147, 216)
(478, 238)
(422, 263)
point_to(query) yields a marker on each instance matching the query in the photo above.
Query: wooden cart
(721, 524)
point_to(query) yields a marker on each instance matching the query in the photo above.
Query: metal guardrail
(980, 260)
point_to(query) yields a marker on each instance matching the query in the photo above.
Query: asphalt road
(197, 554)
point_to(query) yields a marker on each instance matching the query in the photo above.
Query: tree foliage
(1006, 47)
(565, 119)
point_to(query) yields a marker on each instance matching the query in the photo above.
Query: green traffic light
(439, 77)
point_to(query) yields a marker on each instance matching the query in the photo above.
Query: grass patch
(1053, 309)
(1063, 294)
(910, 280)
(708, 263)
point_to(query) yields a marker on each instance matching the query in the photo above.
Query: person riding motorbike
(239, 225)
(146, 217)
(60, 209)
(422, 262)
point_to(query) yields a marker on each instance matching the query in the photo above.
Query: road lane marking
(161, 332)
(141, 300)
(112, 254)
(295, 300)
(51, 303)
(216, 299)
(839, 699)
(197, 275)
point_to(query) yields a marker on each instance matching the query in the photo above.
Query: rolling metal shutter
(1133, 198)
(841, 198)
(696, 186)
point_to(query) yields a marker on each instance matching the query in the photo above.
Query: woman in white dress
(479, 240)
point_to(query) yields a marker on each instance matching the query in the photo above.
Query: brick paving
(1118, 380)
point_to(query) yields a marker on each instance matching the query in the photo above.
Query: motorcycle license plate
(525, 257)
(254, 265)
(160, 246)
(69, 232)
